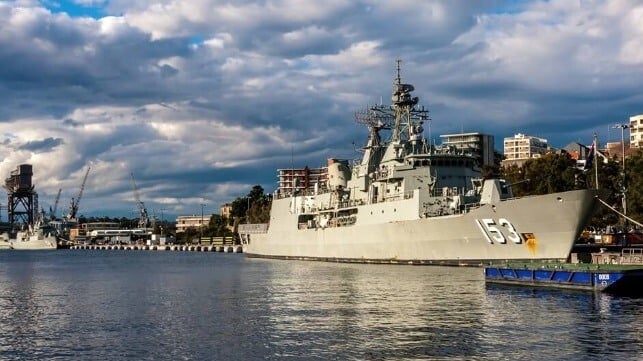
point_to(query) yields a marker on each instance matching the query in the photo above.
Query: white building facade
(636, 131)
(521, 147)
(478, 144)
(195, 221)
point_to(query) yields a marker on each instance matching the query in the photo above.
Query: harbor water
(137, 305)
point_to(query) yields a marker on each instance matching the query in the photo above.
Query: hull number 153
(498, 232)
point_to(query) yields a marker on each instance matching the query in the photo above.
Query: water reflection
(376, 311)
(115, 305)
(28, 310)
(563, 324)
(384, 312)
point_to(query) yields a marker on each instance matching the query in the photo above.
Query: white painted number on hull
(498, 232)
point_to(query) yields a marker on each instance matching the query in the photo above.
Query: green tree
(495, 170)
(610, 176)
(218, 226)
(254, 207)
(557, 173)
(550, 173)
(609, 181)
(189, 234)
(553, 172)
(634, 171)
(516, 177)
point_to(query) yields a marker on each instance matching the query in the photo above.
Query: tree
(634, 173)
(218, 226)
(493, 171)
(189, 234)
(557, 173)
(515, 176)
(254, 207)
(256, 193)
(548, 174)
(610, 183)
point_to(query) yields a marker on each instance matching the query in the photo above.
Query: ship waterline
(542, 227)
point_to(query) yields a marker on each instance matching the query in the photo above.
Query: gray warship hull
(543, 228)
(35, 243)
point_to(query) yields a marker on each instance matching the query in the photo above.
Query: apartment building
(196, 221)
(299, 179)
(636, 131)
(478, 144)
(522, 147)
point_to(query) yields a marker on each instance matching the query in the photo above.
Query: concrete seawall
(185, 248)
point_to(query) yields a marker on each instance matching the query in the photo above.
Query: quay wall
(183, 248)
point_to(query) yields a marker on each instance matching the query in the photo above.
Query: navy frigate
(410, 202)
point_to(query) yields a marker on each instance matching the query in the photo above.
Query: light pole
(248, 211)
(623, 181)
(201, 228)
(162, 209)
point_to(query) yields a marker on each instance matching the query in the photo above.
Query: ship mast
(408, 119)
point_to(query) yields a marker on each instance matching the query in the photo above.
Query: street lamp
(162, 209)
(623, 182)
(201, 227)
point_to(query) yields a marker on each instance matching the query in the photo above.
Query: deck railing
(253, 228)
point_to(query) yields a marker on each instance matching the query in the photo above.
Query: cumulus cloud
(203, 99)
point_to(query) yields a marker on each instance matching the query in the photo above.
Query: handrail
(247, 228)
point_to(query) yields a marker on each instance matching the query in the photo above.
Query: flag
(590, 157)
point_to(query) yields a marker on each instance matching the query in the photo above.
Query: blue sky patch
(76, 8)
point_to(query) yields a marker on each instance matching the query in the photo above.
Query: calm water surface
(144, 305)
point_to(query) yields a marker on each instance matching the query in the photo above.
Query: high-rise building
(636, 131)
(301, 179)
(478, 144)
(521, 147)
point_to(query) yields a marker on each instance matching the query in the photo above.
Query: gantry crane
(73, 208)
(52, 211)
(142, 217)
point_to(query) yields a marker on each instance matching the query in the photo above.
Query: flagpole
(596, 159)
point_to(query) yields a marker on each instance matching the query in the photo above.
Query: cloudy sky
(202, 99)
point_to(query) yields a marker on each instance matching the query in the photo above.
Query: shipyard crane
(142, 218)
(73, 208)
(52, 211)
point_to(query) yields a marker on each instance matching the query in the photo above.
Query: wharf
(141, 247)
(608, 278)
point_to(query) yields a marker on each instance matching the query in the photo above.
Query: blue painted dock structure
(613, 279)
